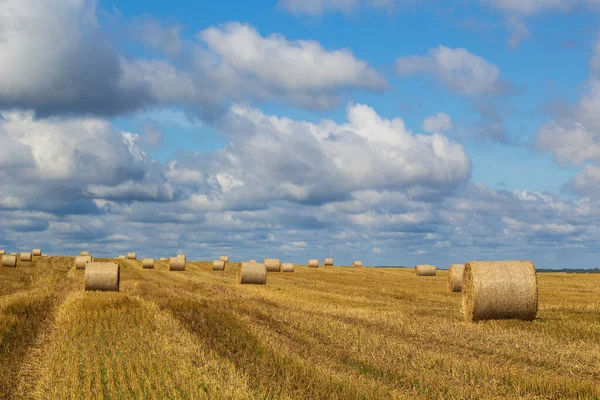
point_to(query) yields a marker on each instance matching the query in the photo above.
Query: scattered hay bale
(357, 263)
(13, 254)
(104, 276)
(2, 252)
(252, 261)
(224, 258)
(287, 267)
(313, 263)
(455, 277)
(218, 265)
(425, 270)
(25, 256)
(44, 255)
(148, 263)
(36, 252)
(163, 259)
(84, 253)
(499, 290)
(131, 256)
(273, 264)
(121, 257)
(328, 262)
(9, 260)
(252, 273)
(81, 261)
(176, 264)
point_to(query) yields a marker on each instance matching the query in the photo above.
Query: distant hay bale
(287, 267)
(425, 270)
(273, 264)
(455, 277)
(9, 260)
(131, 256)
(163, 259)
(252, 273)
(182, 256)
(2, 252)
(148, 263)
(224, 258)
(13, 254)
(121, 257)
(44, 255)
(25, 256)
(499, 290)
(102, 276)
(218, 265)
(176, 264)
(328, 262)
(81, 261)
(84, 253)
(357, 263)
(36, 252)
(313, 263)
(252, 261)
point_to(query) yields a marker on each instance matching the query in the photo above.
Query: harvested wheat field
(337, 333)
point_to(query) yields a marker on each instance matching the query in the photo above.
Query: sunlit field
(316, 333)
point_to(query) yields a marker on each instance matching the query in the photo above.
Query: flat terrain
(325, 333)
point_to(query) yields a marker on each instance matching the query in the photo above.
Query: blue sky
(393, 131)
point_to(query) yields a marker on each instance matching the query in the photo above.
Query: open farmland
(317, 333)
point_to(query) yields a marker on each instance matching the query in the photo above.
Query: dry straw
(121, 257)
(148, 263)
(218, 265)
(357, 263)
(224, 258)
(9, 260)
(425, 270)
(2, 252)
(177, 264)
(81, 261)
(313, 263)
(252, 273)
(455, 277)
(102, 276)
(25, 256)
(37, 252)
(500, 290)
(273, 264)
(328, 262)
(84, 253)
(287, 267)
(131, 256)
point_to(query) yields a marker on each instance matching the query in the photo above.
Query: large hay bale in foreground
(103, 276)
(176, 264)
(36, 252)
(252, 273)
(148, 263)
(328, 262)
(455, 277)
(9, 260)
(357, 263)
(84, 253)
(131, 256)
(81, 261)
(500, 290)
(313, 263)
(218, 265)
(2, 252)
(287, 267)
(224, 258)
(425, 270)
(121, 257)
(25, 256)
(273, 264)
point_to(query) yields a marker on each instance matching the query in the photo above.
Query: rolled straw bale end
(131, 256)
(328, 262)
(425, 270)
(313, 263)
(252, 273)
(273, 264)
(499, 290)
(37, 252)
(224, 258)
(176, 264)
(455, 277)
(25, 256)
(287, 267)
(84, 253)
(9, 260)
(218, 265)
(148, 263)
(357, 263)
(103, 276)
(82, 261)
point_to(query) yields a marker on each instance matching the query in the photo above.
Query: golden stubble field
(324, 333)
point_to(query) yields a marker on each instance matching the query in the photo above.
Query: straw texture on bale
(9, 260)
(25, 256)
(81, 261)
(273, 264)
(500, 290)
(313, 263)
(148, 263)
(84, 253)
(425, 270)
(287, 267)
(252, 273)
(328, 262)
(177, 264)
(2, 252)
(218, 265)
(37, 252)
(131, 256)
(455, 277)
(357, 263)
(182, 256)
(102, 276)
(224, 258)
(252, 261)
(121, 257)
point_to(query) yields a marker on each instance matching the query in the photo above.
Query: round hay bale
(121, 257)
(9, 260)
(224, 258)
(357, 263)
(328, 262)
(44, 255)
(313, 263)
(500, 290)
(2, 252)
(176, 264)
(36, 252)
(81, 261)
(25, 256)
(252, 273)
(131, 256)
(104, 276)
(148, 263)
(287, 267)
(218, 265)
(252, 261)
(13, 254)
(425, 270)
(84, 253)
(455, 277)
(182, 256)
(163, 259)
(273, 264)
